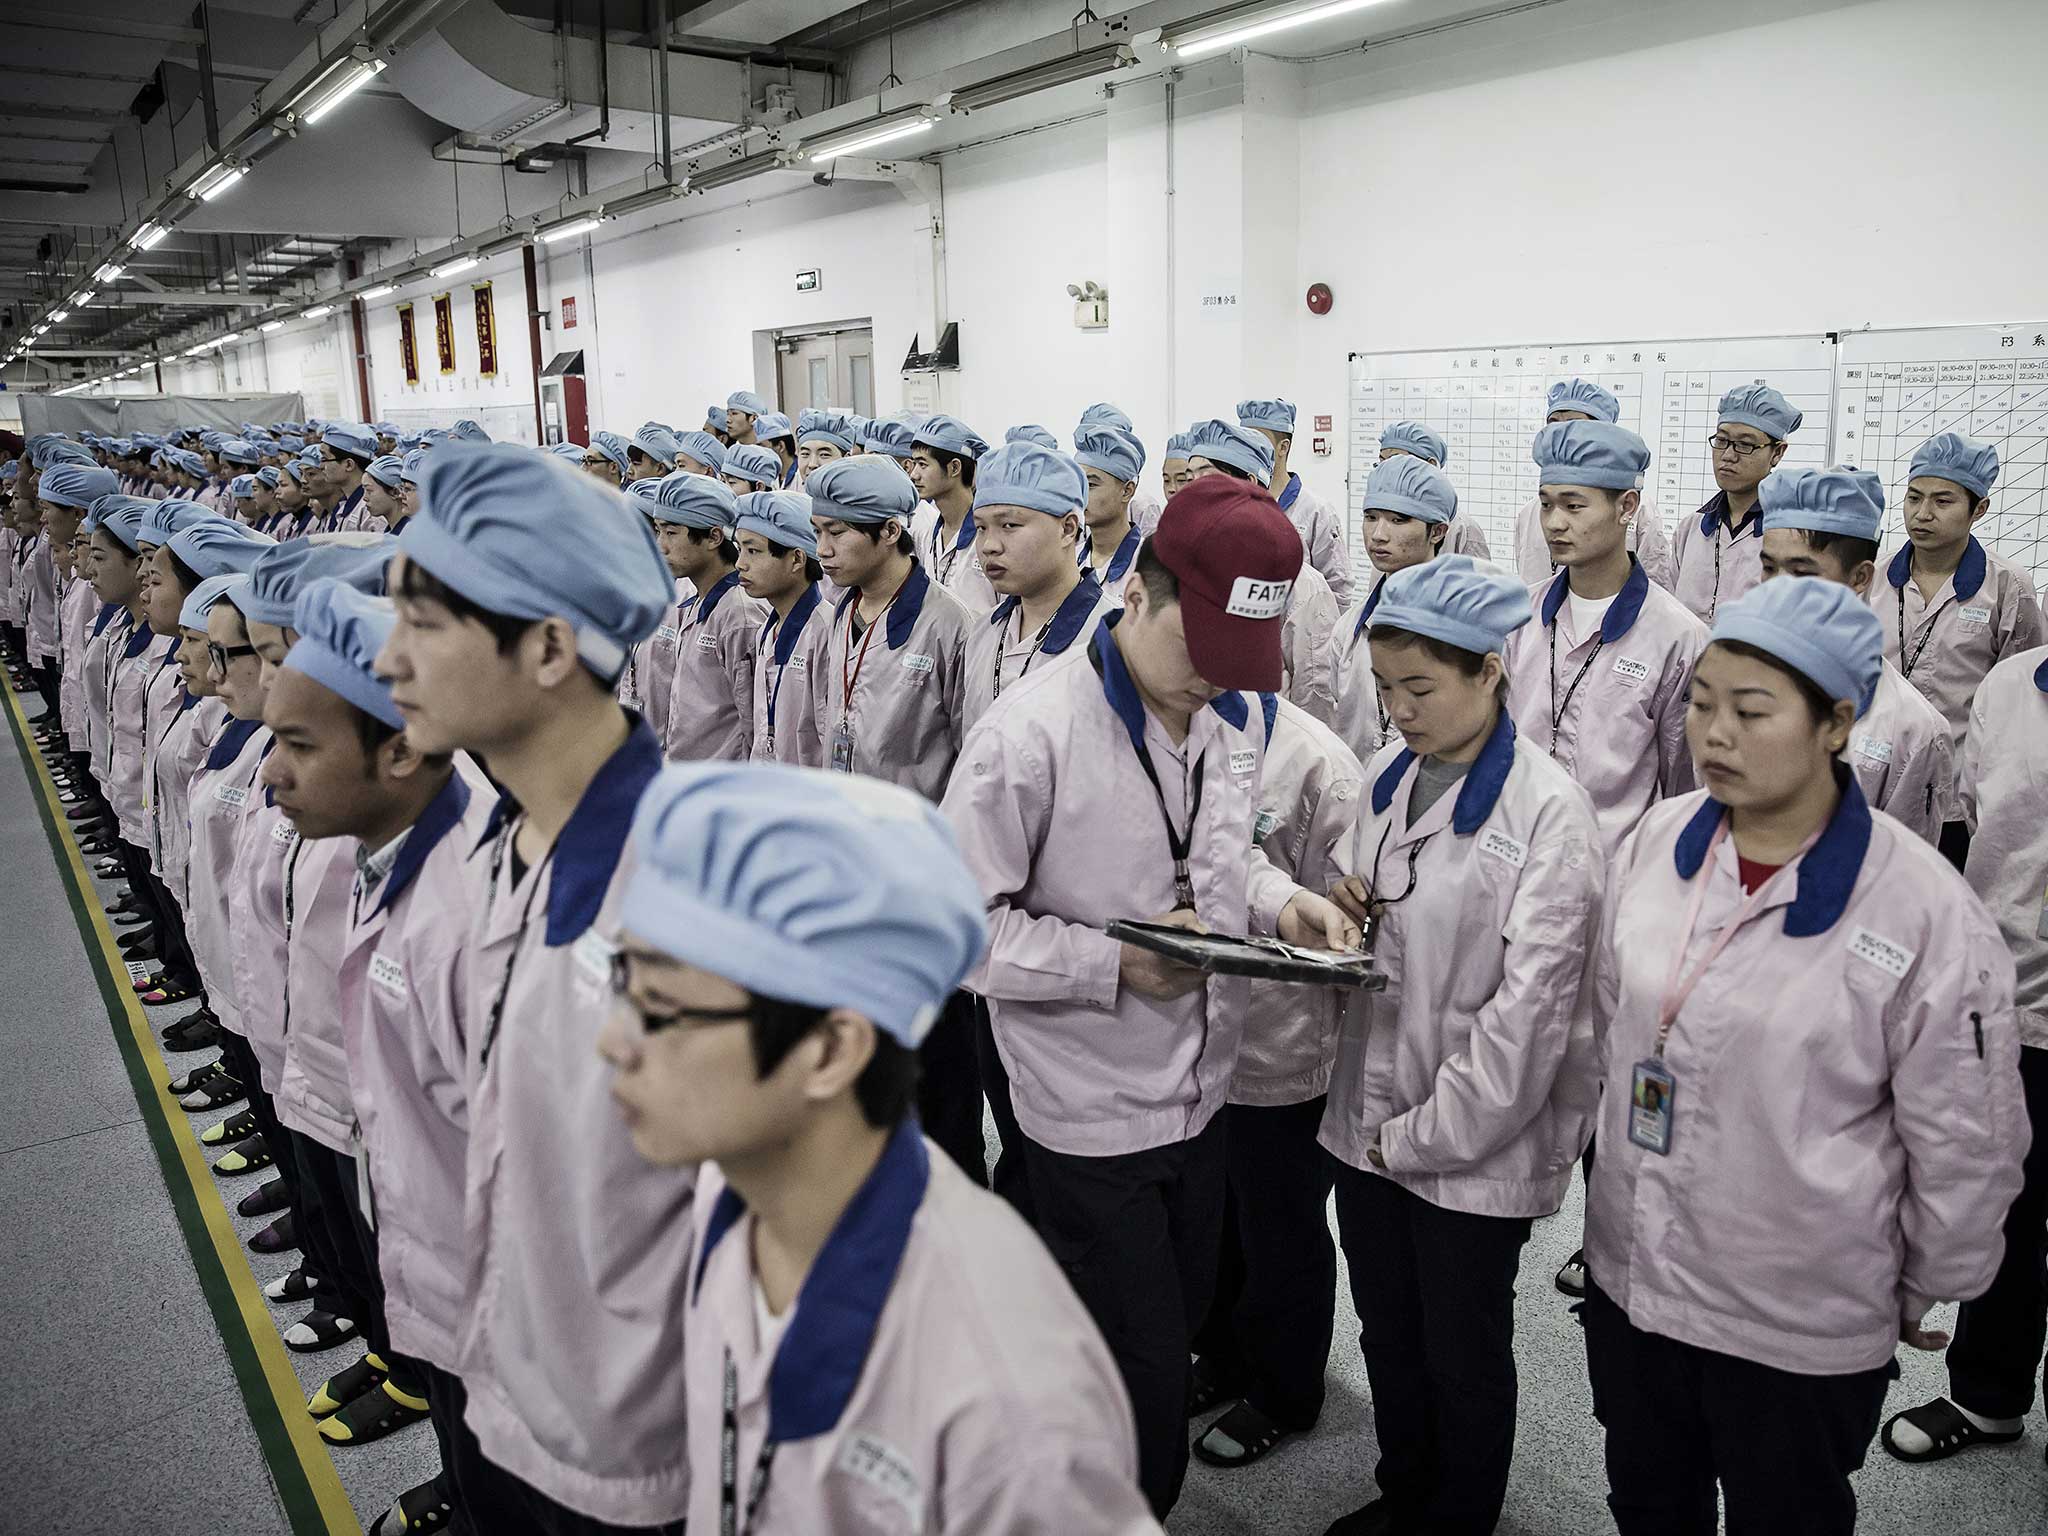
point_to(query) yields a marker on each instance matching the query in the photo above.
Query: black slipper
(1206, 1391)
(1943, 1423)
(250, 1155)
(265, 1200)
(382, 1410)
(296, 1286)
(192, 1034)
(206, 1072)
(428, 1507)
(226, 1132)
(1250, 1428)
(214, 1095)
(319, 1329)
(281, 1236)
(346, 1385)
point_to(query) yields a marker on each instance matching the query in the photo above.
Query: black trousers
(501, 1504)
(48, 680)
(166, 925)
(1996, 1356)
(1680, 1418)
(445, 1403)
(408, 1373)
(1008, 1177)
(949, 1088)
(1954, 843)
(1435, 1292)
(1137, 1235)
(239, 1057)
(1267, 1336)
(324, 1216)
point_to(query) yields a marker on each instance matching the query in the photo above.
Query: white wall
(503, 403)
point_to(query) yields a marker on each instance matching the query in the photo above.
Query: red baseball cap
(1236, 555)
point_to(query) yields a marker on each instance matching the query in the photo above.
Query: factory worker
(296, 514)
(1320, 525)
(610, 458)
(111, 578)
(509, 644)
(1951, 609)
(464, 431)
(1464, 1090)
(263, 511)
(1418, 441)
(894, 437)
(762, 1027)
(650, 672)
(1112, 460)
(743, 412)
(1600, 680)
(571, 453)
(63, 493)
(821, 437)
(1218, 448)
(942, 468)
(1408, 511)
(1032, 433)
(1762, 1236)
(773, 431)
(778, 567)
(651, 453)
(1826, 523)
(714, 424)
(749, 467)
(1119, 1061)
(1173, 469)
(895, 676)
(699, 453)
(383, 493)
(387, 437)
(242, 499)
(711, 691)
(1996, 1354)
(1716, 553)
(1266, 1342)
(1145, 506)
(409, 487)
(1584, 400)
(1028, 506)
(237, 455)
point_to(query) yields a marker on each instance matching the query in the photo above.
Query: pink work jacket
(1713, 563)
(956, 566)
(128, 716)
(256, 928)
(223, 790)
(313, 1093)
(711, 694)
(2004, 798)
(790, 660)
(1321, 527)
(1000, 656)
(1901, 754)
(908, 711)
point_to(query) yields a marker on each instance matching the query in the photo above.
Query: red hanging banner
(408, 345)
(444, 331)
(486, 330)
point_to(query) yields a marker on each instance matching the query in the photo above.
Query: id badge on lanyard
(842, 748)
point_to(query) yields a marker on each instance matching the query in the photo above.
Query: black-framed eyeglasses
(654, 1023)
(1734, 447)
(221, 655)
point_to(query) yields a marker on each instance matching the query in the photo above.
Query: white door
(835, 371)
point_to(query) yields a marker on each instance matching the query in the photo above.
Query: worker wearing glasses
(1719, 553)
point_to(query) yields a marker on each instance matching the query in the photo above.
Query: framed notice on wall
(486, 330)
(408, 345)
(444, 331)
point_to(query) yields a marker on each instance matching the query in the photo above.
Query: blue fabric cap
(388, 469)
(1412, 437)
(1846, 501)
(282, 571)
(896, 437)
(1221, 443)
(824, 889)
(714, 417)
(1026, 475)
(1179, 446)
(864, 491)
(1593, 453)
(165, 518)
(202, 598)
(121, 517)
(340, 633)
(468, 431)
(1103, 414)
(1582, 395)
(219, 546)
(1269, 415)
(704, 448)
(1116, 453)
(694, 501)
(270, 474)
(1762, 407)
(1412, 487)
(1455, 599)
(613, 447)
(1821, 629)
(780, 517)
(76, 485)
(188, 461)
(825, 427)
(243, 485)
(290, 443)
(750, 461)
(1032, 433)
(415, 464)
(236, 451)
(495, 523)
(571, 453)
(749, 402)
(658, 443)
(352, 438)
(772, 425)
(950, 435)
(1958, 459)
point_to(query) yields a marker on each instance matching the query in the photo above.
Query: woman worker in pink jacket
(1811, 1127)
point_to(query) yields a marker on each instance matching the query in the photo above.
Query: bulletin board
(1488, 402)
(1896, 389)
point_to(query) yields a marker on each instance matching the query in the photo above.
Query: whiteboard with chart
(1488, 403)
(1899, 388)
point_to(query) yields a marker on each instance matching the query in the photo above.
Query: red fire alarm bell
(1319, 299)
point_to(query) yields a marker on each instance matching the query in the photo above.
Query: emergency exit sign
(809, 280)
(1322, 423)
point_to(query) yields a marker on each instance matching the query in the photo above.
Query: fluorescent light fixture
(231, 336)
(1043, 77)
(86, 297)
(379, 291)
(730, 171)
(450, 268)
(194, 351)
(868, 136)
(338, 85)
(59, 316)
(272, 325)
(109, 273)
(1233, 29)
(147, 236)
(319, 311)
(570, 230)
(217, 180)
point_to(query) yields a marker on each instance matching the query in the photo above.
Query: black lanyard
(497, 1016)
(1735, 538)
(1908, 663)
(1559, 707)
(1177, 843)
(1002, 647)
(732, 1521)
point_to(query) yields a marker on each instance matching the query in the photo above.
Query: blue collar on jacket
(819, 1362)
(1122, 693)
(1969, 577)
(1119, 563)
(1480, 792)
(443, 814)
(227, 746)
(106, 616)
(1716, 511)
(1372, 601)
(138, 642)
(793, 627)
(1621, 614)
(903, 612)
(1827, 874)
(709, 601)
(2041, 676)
(961, 540)
(1292, 494)
(1067, 621)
